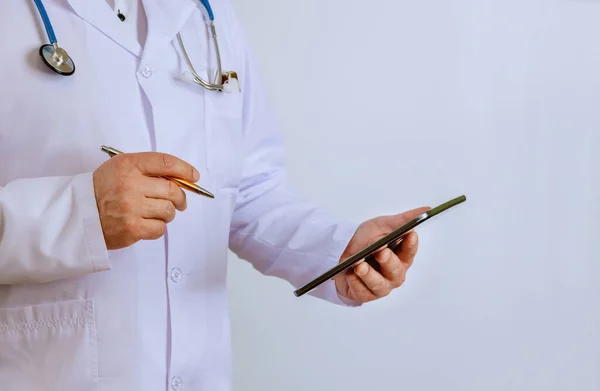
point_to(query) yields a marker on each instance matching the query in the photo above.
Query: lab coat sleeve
(50, 230)
(280, 233)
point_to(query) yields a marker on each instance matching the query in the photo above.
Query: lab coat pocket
(224, 133)
(48, 347)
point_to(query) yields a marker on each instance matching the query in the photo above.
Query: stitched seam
(88, 245)
(84, 226)
(34, 325)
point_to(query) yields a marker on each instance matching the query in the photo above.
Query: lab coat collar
(165, 17)
(99, 15)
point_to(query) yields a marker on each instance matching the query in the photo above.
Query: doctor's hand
(363, 283)
(133, 202)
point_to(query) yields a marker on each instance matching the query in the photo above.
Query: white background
(412, 103)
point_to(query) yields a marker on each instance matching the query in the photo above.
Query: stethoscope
(58, 60)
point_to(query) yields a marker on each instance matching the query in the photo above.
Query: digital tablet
(392, 240)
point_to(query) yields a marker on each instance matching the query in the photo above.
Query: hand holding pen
(138, 194)
(178, 181)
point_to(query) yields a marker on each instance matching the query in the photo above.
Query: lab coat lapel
(99, 15)
(165, 20)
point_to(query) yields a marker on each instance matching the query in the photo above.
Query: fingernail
(362, 269)
(386, 256)
(196, 175)
(413, 240)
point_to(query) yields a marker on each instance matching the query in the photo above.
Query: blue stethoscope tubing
(46, 20)
(56, 58)
(206, 5)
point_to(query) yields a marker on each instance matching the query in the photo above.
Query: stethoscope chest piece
(57, 59)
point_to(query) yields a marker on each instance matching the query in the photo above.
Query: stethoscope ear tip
(187, 77)
(230, 87)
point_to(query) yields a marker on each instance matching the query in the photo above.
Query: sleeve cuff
(97, 253)
(340, 242)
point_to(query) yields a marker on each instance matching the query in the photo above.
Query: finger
(390, 223)
(161, 164)
(152, 229)
(158, 209)
(358, 289)
(408, 249)
(165, 189)
(392, 268)
(341, 283)
(373, 280)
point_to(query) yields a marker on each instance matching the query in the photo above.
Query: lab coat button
(176, 383)
(147, 72)
(176, 274)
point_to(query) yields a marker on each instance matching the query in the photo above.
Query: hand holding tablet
(392, 241)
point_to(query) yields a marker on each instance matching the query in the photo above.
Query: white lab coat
(74, 316)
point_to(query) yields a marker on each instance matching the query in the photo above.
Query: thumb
(394, 221)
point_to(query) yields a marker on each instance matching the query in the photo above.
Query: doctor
(111, 277)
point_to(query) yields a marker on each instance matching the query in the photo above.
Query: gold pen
(178, 181)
